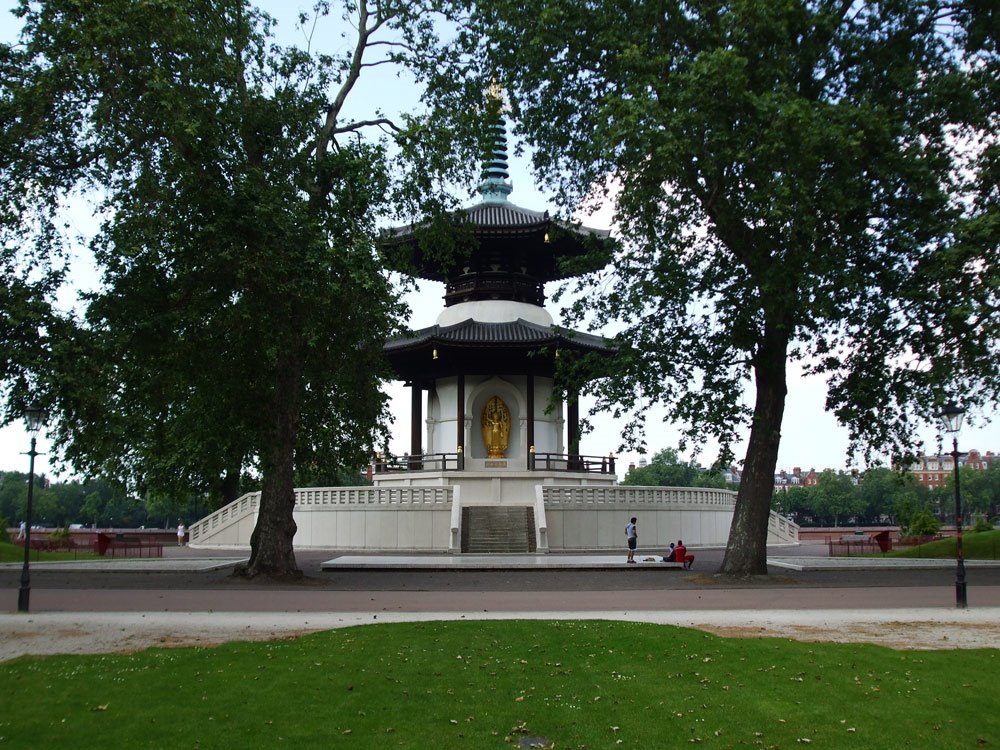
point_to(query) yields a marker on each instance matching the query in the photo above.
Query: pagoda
(494, 463)
(482, 378)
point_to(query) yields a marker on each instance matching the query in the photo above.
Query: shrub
(60, 535)
(923, 523)
(982, 524)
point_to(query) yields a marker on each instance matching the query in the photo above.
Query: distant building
(784, 480)
(933, 471)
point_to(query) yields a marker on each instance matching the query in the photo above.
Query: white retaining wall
(583, 518)
(427, 518)
(356, 518)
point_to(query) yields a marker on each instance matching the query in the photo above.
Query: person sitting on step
(681, 555)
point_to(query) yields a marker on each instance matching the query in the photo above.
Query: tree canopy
(793, 181)
(242, 307)
(56, 504)
(980, 490)
(878, 497)
(667, 469)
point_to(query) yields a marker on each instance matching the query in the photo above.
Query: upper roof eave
(504, 218)
(471, 333)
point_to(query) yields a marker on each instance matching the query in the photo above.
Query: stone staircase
(487, 528)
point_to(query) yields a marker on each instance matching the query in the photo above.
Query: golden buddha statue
(496, 427)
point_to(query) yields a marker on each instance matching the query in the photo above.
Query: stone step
(498, 529)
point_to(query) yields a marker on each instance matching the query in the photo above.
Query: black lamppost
(951, 419)
(34, 416)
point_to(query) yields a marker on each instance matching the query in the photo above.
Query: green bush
(60, 535)
(923, 523)
(982, 524)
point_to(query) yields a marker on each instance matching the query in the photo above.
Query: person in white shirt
(632, 536)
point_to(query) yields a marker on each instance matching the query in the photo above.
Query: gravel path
(93, 632)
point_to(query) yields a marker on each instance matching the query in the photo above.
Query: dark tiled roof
(474, 333)
(497, 236)
(504, 215)
(494, 216)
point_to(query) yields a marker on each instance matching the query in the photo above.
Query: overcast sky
(811, 438)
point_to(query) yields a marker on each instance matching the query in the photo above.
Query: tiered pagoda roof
(477, 348)
(509, 243)
(512, 253)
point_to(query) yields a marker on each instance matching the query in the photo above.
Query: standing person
(181, 534)
(20, 531)
(632, 536)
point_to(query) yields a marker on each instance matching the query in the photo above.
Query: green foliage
(905, 509)
(233, 255)
(787, 187)
(94, 502)
(835, 496)
(60, 535)
(666, 469)
(881, 490)
(877, 497)
(980, 489)
(982, 524)
(338, 477)
(923, 523)
(794, 503)
(489, 684)
(46, 508)
(242, 309)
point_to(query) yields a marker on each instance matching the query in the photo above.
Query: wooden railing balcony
(386, 464)
(571, 462)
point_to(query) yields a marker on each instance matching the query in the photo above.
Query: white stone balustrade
(583, 518)
(384, 518)
(619, 494)
(428, 518)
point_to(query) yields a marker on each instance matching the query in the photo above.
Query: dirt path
(92, 632)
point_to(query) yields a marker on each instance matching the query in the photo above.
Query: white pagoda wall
(442, 408)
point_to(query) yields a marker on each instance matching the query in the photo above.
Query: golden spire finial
(496, 93)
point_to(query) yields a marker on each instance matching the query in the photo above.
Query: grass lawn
(12, 553)
(494, 684)
(982, 546)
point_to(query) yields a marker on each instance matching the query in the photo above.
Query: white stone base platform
(492, 562)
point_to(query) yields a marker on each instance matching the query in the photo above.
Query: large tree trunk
(271, 551)
(746, 551)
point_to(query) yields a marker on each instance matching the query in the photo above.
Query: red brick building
(933, 471)
(784, 480)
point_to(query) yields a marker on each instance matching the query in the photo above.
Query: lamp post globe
(951, 420)
(34, 417)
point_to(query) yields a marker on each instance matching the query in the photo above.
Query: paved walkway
(210, 560)
(187, 598)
